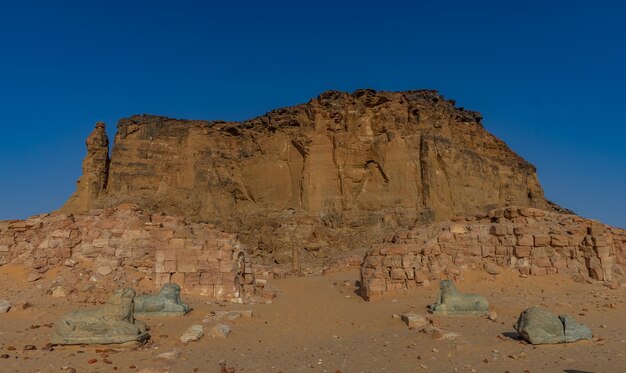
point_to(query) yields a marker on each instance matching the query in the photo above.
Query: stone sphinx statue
(451, 302)
(166, 303)
(112, 323)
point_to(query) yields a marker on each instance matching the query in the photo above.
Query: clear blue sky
(549, 77)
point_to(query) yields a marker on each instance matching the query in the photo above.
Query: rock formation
(302, 183)
(92, 185)
(528, 240)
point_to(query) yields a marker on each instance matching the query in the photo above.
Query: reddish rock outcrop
(529, 240)
(305, 182)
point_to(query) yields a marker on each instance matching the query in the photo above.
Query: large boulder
(451, 302)
(111, 323)
(538, 326)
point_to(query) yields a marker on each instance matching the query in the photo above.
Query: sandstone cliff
(303, 182)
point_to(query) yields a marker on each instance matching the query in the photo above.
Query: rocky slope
(302, 183)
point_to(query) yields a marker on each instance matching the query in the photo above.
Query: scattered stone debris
(538, 326)
(492, 268)
(111, 323)
(228, 315)
(59, 292)
(220, 331)
(32, 277)
(192, 334)
(5, 306)
(451, 302)
(69, 263)
(224, 369)
(166, 303)
(413, 320)
(104, 270)
(492, 315)
(170, 355)
(438, 333)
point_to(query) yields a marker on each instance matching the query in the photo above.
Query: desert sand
(320, 324)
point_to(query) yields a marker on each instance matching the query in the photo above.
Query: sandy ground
(318, 324)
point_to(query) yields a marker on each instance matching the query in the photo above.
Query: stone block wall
(199, 257)
(529, 240)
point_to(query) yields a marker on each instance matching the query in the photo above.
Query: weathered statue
(111, 323)
(166, 303)
(538, 326)
(451, 302)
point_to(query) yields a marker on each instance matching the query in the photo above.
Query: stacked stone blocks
(529, 240)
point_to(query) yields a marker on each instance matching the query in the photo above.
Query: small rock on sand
(104, 270)
(220, 331)
(492, 268)
(413, 320)
(194, 333)
(170, 355)
(5, 306)
(32, 277)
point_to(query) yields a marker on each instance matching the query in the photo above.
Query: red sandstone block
(474, 250)
(522, 251)
(163, 278)
(526, 240)
(508, 240)
(393, 250)
(169, 266)
(503, 251)
(227, 266)
(559, 240)
(541, 240)
(225, 254)
(177, 243)
(488, 251)
(536, 271)
(543, 261)
(178, 278)
(187, 265)
(398, 274)
(209, 278)
(499, 230)
(158, 267)
(192, 278)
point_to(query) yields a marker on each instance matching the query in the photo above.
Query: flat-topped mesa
(299, 178)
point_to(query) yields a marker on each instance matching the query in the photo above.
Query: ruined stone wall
(199, 257)
(531, 241)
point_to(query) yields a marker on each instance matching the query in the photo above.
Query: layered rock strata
(302, 183)
(198, 256)
(528, 240)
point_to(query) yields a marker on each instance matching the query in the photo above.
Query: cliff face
(333, 173)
